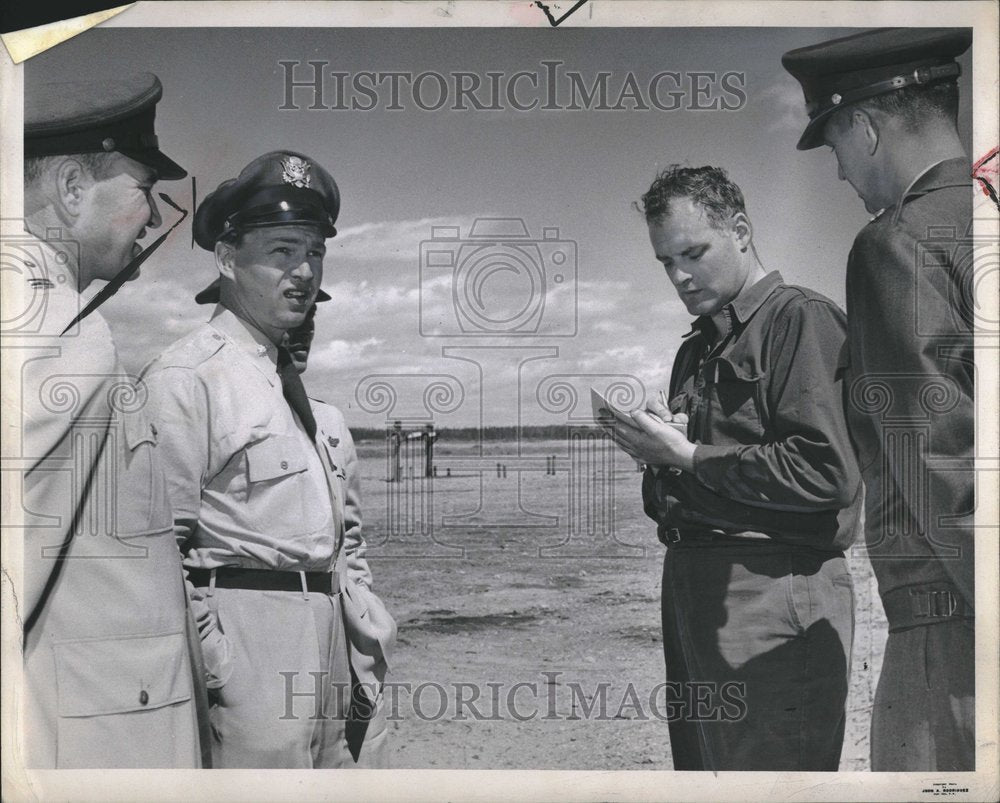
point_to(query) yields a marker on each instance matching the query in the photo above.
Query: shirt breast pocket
(736, 404)
(282, 496)
(336, 461)
(141, 499)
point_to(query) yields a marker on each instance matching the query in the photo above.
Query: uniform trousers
(925, 703)
(286, 703)
(766, 624)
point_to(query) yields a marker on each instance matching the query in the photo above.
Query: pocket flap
(274, 457)
(843, 360)
(115, 675)
(138, 429)
(681, 403)
(721, 369)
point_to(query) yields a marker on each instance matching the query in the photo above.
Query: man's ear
(868, 129)
(72, 182)
(225, 258)
(742, 230)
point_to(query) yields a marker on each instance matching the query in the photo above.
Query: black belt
(672, 536)
(913, 606)
(262, 579)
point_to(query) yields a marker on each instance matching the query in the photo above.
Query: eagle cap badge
(295, 171)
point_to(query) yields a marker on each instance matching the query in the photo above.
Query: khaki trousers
(924, 715)
(286, 703)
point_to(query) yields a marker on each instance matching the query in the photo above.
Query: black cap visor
(166, 168)
(283, 206)
(812, 137)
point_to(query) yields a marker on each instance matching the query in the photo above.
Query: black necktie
(295, 391)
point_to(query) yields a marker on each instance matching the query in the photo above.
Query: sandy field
(529, 615)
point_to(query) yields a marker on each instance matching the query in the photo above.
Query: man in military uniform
(264, 510)
(367, 622)
(108, 673)
(756, 495)
(886, 102)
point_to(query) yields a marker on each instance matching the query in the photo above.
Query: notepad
(599, 402)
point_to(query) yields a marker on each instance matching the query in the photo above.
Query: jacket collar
(955, 172)
(743, 307)
(244, 335)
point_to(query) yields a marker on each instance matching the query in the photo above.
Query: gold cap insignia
(295, 171)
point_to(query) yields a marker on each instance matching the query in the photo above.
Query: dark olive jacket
(910, 376)
(765, 406)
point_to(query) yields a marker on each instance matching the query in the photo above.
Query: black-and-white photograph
(502, 386)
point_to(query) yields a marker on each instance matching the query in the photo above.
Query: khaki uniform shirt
(248, 486)
(245, 481)
(107, 668)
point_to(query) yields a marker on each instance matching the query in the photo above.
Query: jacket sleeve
(914, 363)
(81, 373)
(355, 548)
(808, 463)
(179, 408)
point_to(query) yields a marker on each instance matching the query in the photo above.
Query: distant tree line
(445, 434)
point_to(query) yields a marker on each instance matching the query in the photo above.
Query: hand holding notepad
(603, 409)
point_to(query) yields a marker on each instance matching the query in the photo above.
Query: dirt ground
(548, 581)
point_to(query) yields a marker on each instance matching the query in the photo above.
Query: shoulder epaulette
(193, 350)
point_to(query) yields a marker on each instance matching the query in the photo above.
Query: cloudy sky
(574, 296)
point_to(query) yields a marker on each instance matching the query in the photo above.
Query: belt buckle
(671, 535)
(933, 604)
(943, 603)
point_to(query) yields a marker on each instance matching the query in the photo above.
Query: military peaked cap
(843, 71)
(97, 117)
(280, 188)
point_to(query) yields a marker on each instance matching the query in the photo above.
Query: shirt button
(143, 697)
(284, 464)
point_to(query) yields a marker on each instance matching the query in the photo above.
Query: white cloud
(391, 240)
(787, 106)
(343, 355)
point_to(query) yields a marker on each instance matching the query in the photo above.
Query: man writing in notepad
(756, 494)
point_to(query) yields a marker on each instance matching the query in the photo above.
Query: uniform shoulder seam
(190, 351)
(805, 295)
